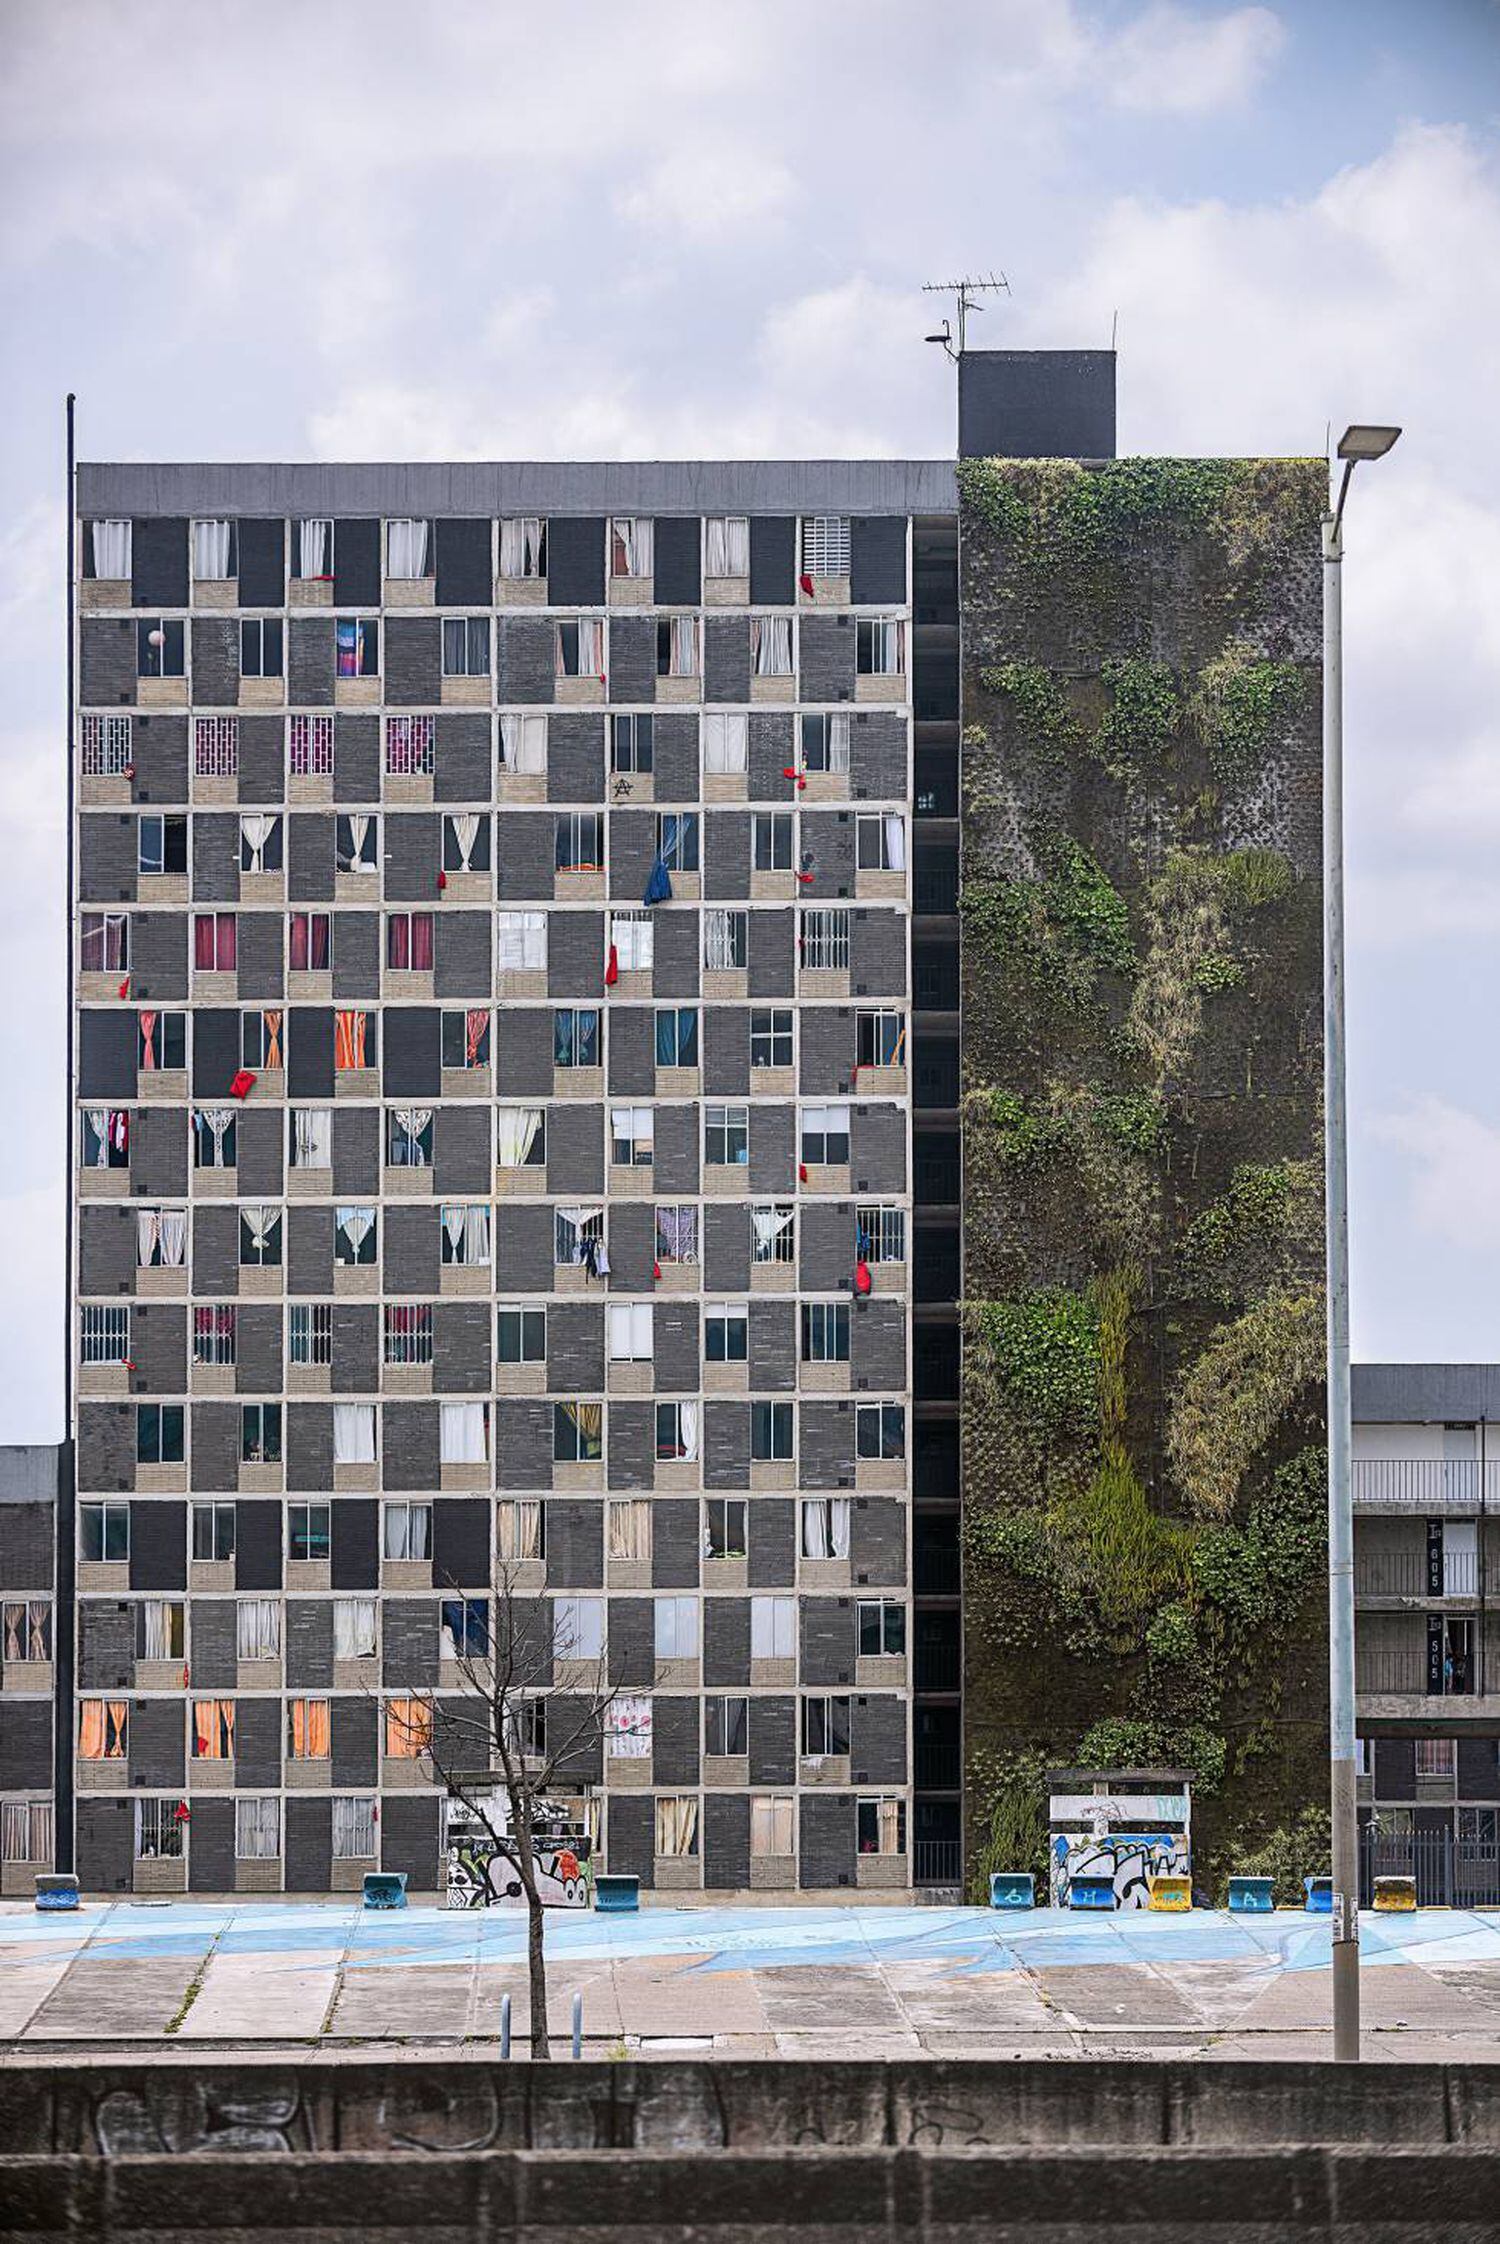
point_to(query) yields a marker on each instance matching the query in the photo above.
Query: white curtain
(772, 1824)
(361, 857)
(408, 1531)
(627, 1723)
(174, 1224)
(217, 1120)
(257, 1829)
(156, 1619)
(771, 642)
(462, 1433)
(147, 1236)
(630, 1331)
(634, 545)
(725, 741)
(633, 937)
(768, 1225)
(683, 647)
(521, 942)
(571, 1227)
(521, 546)
(629, 1527)
(353, 1829)
(354, 1433)
(591, 646)
(468, 1233)
(211, 549)
(259, 1628)
(313, 541)
(814, 1527)
(414, 1120)
(677, 1824)
(353, 1628)
(523, 742)
(465, 824)
(518, 1531)
(261, 1223)
(718, 940)
(256, 829)
(406, 549)
(356, 1224)
(726, 547)
(687, 1417)
(895, 841)
(312, 1137)
(97, 1118)
(111, 549)
(515, 1134)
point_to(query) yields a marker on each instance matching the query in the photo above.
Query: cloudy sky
(276, 230)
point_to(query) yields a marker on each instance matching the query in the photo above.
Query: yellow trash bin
(1169, 1893)
(1395, 1893)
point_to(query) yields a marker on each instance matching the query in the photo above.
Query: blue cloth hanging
(659, 887)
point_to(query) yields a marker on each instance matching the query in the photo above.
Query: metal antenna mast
(965, 294)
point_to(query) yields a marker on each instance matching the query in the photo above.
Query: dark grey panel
(773, 560)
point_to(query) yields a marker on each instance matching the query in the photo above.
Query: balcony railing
(1407, 1574)
(938, 1767)
(1419, 1484)
(937, 1862)
(1406, 1674)
(936, 1572)
(939, 1667)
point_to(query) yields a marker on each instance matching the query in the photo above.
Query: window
(676, 1432)
(726, 940)
(825, 1137)
(632, 744)
(408, 942)
(523, 742)
(880, 841)
(408, 747)
(880, 1826)
(160, 1629)
(215, 551)
(408, 1531)
(107, 555)
(520, 1334)
(630, 1332)
(353, 1827)
(408, 1137)
(578, 841)
(354, 1628)
(580, 648)
(356, 643)
(632, 939)
(677, 1036)
(310, 1332)
(158, 1433)
(307, 1532)
(880, 1232)
(825, 1527)
(214, 1334)
(106, 1140)
(523, 546)
(464, 1038)
(463, 1433)
(726, 1332)
(522, 942)
(162, 1041)
(260, 1238)
(408, 1728)
(105, 1333)
(577, 1433)
(352, 1039)
(464, 1624)
(575, 1036)
(466, 646)
(771, 1433)
(158, 1830)
(464, 1234)
(627, 1530)
(771, 646)
(770, 1036)
(260, 843)
(677, 840)
(258, 1628)
(630, 546)
(880, 1430)
(627, 1726)
(726, 742)
(213, 1533)
(520, 1530)
(216, 747)
(825, 1332)
(104, 946)
(160, 648)
(773, 1825)
(215, 942)
(577, 1236)
(408, 1332)
(103, 1729)
(26, 1631)
(26, 1831)
(260, 647)
(773, 1232)
(257, 1828)
(879, 1039)
(1437, 1758)
(677, 647)
(408, 548)
(825, 742)
(631, 1137)
(726, 545)
(879, 647)
(356, 843)
(773, 1628)
(466, 842)
(260, 1433)
(312, 548)
(823, 941)
(160, 1238)
(578, 1628)
(213, 1729)
(676, 1628)
(825, 545)
(726, 1136)
(726, 1727)
(677, 1824)
(309, 747)
(105, 747)
(354, 1434)
(356, 1237)
(825, 1726)
(881, 1623)
(771, 841)
(309, 942)
(724, 1527)
(676, 1231)
(161, 845)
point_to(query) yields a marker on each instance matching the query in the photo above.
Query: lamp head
(1366, 442)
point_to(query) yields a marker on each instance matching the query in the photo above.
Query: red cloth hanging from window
(612, 967)
(476, 1032)
(241, 1083)
(862, 1278)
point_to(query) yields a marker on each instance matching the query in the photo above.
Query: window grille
(216, 747)
(106, 746)
(408, 746)
(310, 747)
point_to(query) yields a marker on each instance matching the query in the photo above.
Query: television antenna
(965, 294)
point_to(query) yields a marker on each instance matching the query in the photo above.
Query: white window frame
(631, 1327)
(674, 1627)
(773, 1627)
(823, 938)
(825, 545)
(725, 742)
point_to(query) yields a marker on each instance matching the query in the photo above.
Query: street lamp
(1358, 443)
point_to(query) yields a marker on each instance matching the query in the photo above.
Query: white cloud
(1171, 62)
(1453, 1170)
(707, 193)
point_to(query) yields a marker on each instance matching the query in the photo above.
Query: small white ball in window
(156, 638)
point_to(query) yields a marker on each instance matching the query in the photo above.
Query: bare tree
(527, 1713)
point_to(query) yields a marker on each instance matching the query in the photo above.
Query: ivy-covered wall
(1143, 1320)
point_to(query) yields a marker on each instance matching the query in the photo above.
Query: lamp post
(1356, 444)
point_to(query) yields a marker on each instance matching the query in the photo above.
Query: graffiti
(175, 2112)
(482, 1874)
(1130, 1858)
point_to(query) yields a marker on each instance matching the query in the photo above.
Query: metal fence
(937, 1862)
(1421, 1484)
(1451, 1872)
(1409, 1574)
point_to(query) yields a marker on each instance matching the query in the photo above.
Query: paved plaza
(743, 1982)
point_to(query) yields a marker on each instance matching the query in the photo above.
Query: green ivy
(1242, 701)
(1142, 719)
(1216, 972)
(1061, 928)
(1045, 1350)
(1258, 1573)
(1046, 721)
(1255, 878)
(1124, 1741)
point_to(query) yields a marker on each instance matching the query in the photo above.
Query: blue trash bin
(56, 1889)
(1012, 1889)
(1319, 1892)
(1252, 1896)
(617, 1895)
(385, 1889)
(1092, 1893)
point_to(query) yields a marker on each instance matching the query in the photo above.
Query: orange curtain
(272, 1019)
(91, 1729)
(310, 1729)
(349, 1039)
(213, 1729)
(408, 1728)
(148, 1041)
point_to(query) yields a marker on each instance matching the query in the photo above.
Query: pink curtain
(398, 942)
(421, 942)
(148, 1042)
(203, 943)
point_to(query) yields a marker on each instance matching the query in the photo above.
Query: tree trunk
(537, 1973)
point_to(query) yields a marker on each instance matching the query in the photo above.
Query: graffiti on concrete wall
(483, 1875)
(1130, 1858)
